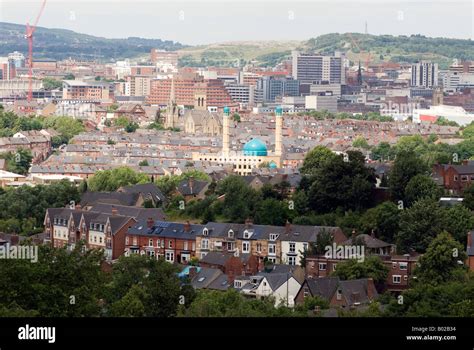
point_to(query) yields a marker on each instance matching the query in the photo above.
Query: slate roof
(119, 198)
(205, 277)
(370, 242)
(189, 188)
(140, 214)
(148, 188)
(323, 287)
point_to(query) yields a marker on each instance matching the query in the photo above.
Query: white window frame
(245, 245)
(397, 277)
(322, 266)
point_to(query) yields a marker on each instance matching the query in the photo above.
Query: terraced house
(176, 242)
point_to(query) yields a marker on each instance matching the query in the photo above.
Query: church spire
(359, 75)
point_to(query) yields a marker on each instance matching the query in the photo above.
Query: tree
(360, 142)
(458, 220)
(19, 162)
(131, 127)
(468, 195)
(144, 286)
(239, 198)
(406, 166)
(69, 76)
(316, 158)
(111, 180)
(143, 162)
(468, 131)
(371, 267)
(49, 286)
(383, 220)
(271, 212)
(440, 263)
(341, 184)
(419, 187)
(52, 84)
(67, 127)
(419, 224)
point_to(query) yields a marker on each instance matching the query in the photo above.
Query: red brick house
(176, 242)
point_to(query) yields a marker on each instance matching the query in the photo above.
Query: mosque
(254, 152)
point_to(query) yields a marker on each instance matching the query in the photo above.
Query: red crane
(29, 36)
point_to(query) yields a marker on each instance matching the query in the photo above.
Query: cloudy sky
(203, 22)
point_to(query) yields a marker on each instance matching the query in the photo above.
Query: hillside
(394, 48)
(62, 43)
(357, 47)
(235, 53)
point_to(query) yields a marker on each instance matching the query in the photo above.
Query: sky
(195, 22)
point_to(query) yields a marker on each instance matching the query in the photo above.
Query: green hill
(62, 43)
(394, 48)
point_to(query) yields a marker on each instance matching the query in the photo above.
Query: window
(292, 247)
(396, 279)
(205, 232)
(334, 267)
(464, 178)
(292, 260)
(237, 284)
(403, 266)
(162, 243)
(306, 292)
(305, 246)
(405, 278)
(169, 256)
(246, 234)
(185, 245)
(230, 234)
(205, 244)
(271, 249)
(150, 242)
(455, 178)
(272, 260)
(100, 240)
(273, 236)
(322, 266)
(245, 247)
(394, 265)
(339, 294)
(126, 240)
(170, 244)
(259, 247)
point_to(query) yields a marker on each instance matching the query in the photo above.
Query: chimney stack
(370, 288)
(372, 234)
(150, 222)
(192, 272)
(187, 227)
(248, 223)
(287, 227)
(114, 211)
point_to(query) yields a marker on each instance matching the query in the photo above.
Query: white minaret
(225, 132)
(278, 130)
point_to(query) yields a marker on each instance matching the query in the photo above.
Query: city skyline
(200, 23)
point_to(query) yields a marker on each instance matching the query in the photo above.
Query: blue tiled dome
(273, 165)
(255, 147)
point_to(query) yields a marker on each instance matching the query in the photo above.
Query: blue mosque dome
(273, 165)
(255, 147)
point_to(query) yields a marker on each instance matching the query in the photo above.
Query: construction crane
(29, 36)
(367, 61)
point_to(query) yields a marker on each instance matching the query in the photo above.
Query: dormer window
(231, 234)
(339, 294)
(273, 236)
(247, 234)
(205, 232)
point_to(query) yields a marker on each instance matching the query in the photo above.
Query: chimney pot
(150, 222)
